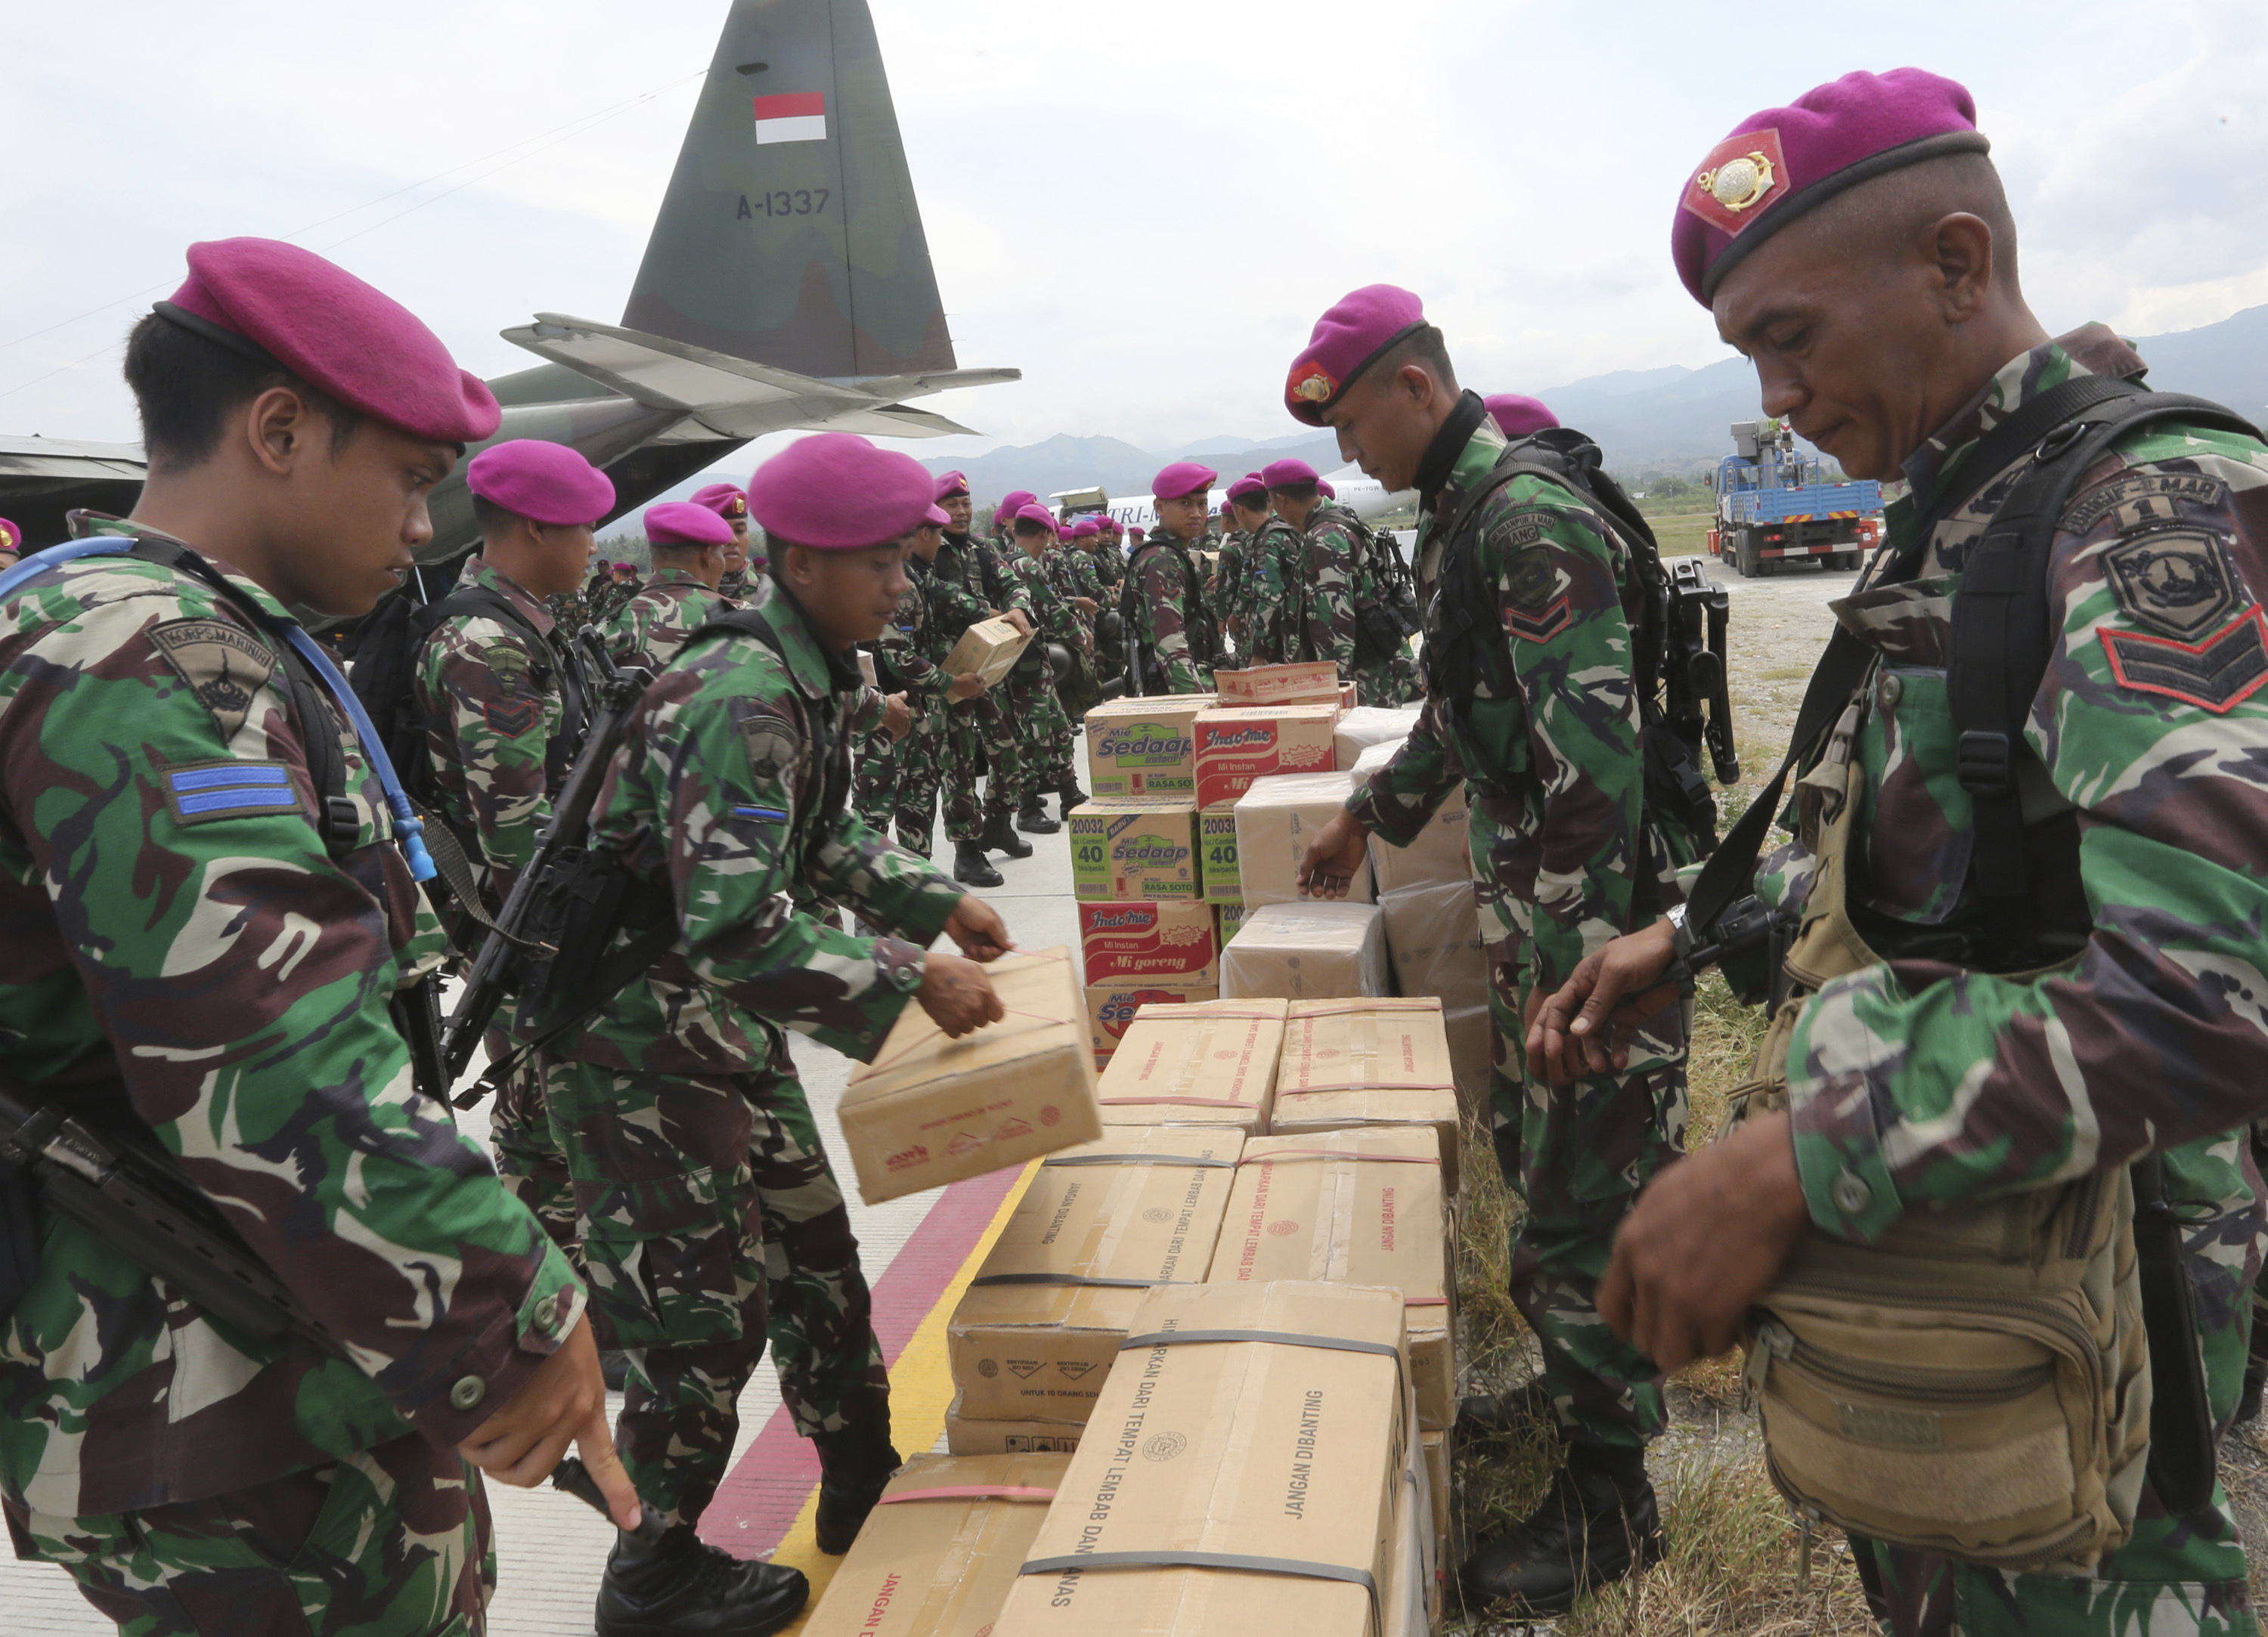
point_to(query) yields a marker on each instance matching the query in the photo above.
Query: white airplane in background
(1366, 497)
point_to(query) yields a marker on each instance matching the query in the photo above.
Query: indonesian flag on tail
(800, 116)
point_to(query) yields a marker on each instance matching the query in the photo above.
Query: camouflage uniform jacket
(1069, 574)
(731, 788)
(980, 569)
(185, 964)
(1924, 1079)
(1548, 743)
(654, 625)
(1165, 590)
(1110, 566)
(1054, 620)
(903, 660)
(1274, 597)
(492, 708)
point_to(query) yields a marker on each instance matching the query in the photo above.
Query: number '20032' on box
(1131, 851)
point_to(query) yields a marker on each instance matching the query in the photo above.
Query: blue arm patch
(773, 813)
(225, 789)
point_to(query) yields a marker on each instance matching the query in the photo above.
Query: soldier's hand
(1702, 1241)
(977, 928)
(967, 685)
(1334, 858)
(1021, 620)
(1585, 1028)
(897, 717)
(1084, 604)
(564, 1402)
(957, 996)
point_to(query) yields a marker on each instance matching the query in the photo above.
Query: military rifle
(616, 692)
(1699, 706)
(140, 1205)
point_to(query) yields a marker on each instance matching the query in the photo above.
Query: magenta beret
(685, 523)
(937, 518)
(836, 492)
(1782, 162)
(276, 303)
(1085, 529)
(1135, 531)
(950, 484)
(1347, 341)
(542, 481)
(12, 538)
(728, 500)
(1247, 485)
(1516, 415)
(1035, 512)
(1013, 502)
(1285, 473)
(1183, 477)
(1323, 487)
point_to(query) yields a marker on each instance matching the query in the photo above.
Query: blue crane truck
(1772, 506)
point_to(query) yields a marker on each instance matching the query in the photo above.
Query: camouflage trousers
(1045, 731)
(1392, 682)
(526, 1157)
(898, 781)
(1578, 1156)
(712, 1220)
(388, 1542)
(980, 739)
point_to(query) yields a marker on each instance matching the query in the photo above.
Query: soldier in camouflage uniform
(1175, 641)
(680, 1106)
(1029, 693)
(745, 580)
(1335, 583)
(1955, 1069)
(981, 737)
(1539, 716)
(898, 780)
(211, 912)
(691, 545)
(503, 698)
(1274, 596)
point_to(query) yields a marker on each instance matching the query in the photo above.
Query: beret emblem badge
(1315, 388)
(1740, 182)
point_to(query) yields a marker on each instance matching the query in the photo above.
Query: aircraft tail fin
(790, 235)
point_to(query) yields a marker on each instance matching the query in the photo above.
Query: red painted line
(761, 1497)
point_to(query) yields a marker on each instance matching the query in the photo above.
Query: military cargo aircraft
(787, 285)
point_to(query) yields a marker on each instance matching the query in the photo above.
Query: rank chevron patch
(2216, 673)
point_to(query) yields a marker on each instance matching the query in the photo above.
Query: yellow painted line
(921, 1391)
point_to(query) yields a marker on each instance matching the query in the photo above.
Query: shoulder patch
(2180, 580)
(509, 661)
(1517, 531)
(2217, 673)
(511, 717)
(773, 745)
(204, 791)
(224, 665)
(2142, 498)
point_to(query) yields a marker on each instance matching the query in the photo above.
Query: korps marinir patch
(2179, 581)
(2216, 674)
(223, 664)
(1741, 174)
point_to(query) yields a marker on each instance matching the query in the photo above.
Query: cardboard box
(1145, 746)
(1350, 1063)
(1100, 1225)
(1312, 951)
(970, 1435)
(1171, 942)
(1308, 682)
(1234, 747)
(1350, 697)
(1244, 1449)
(1361, 729)
(1408, 1598)
(1212, 1063)
(1275, 821)
(990, 646)
(866, 669)
(937, 1557)
(929, 1111)
(1224, 878)
(1111, 1007)
(1441, 852)
(1129, 849)
(1436, 1448)
(1232, 921)
(1355, 1208)
(1433, 937)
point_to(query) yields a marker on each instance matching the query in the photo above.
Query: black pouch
(20, 1235)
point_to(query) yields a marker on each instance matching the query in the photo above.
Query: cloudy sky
(1142, 207)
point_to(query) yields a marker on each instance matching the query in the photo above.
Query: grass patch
(1786, 673)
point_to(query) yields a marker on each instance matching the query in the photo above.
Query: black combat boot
(678, 1587)
(971, 868)
(1069, 796)
(1595, 1525)
(853, 1465)
(1000, 836)
(1033, 818)
(1494, 1417)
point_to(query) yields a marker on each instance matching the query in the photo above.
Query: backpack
(1148, 677)
(2029, 1353)
(1464, 630)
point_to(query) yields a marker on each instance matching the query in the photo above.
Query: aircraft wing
(42, 480)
